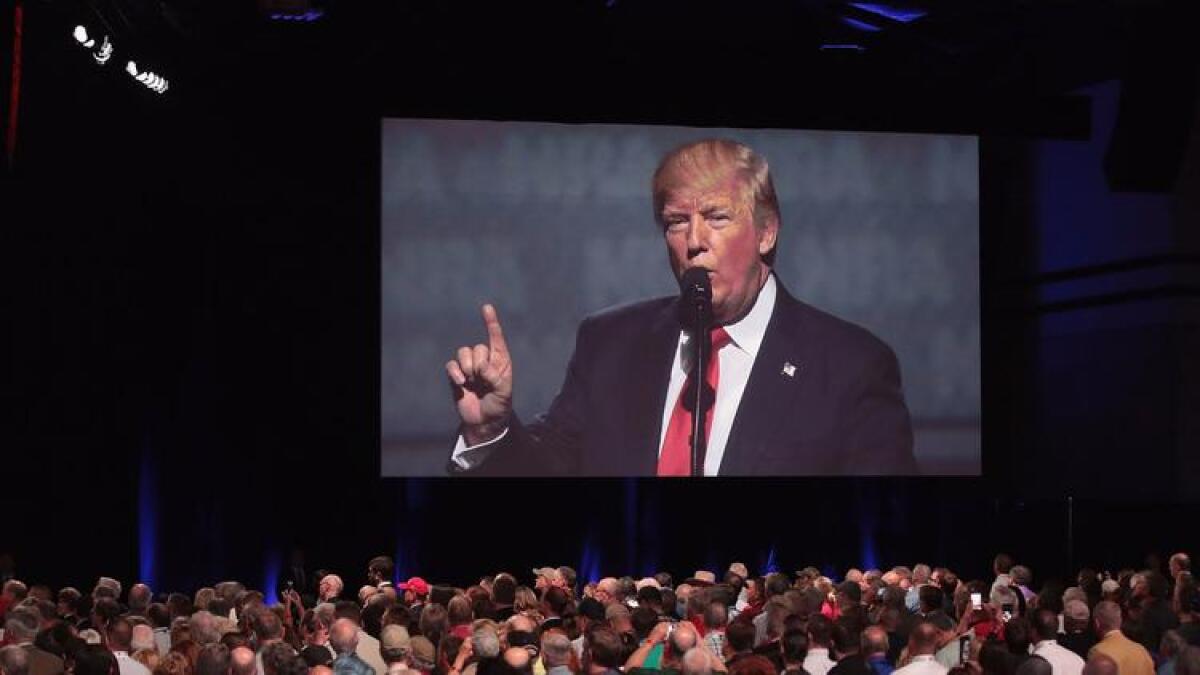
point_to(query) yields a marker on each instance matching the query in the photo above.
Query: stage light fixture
(103, 54)
(152, 81)
(82, 37)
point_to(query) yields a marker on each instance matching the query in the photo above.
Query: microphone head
(695, 299)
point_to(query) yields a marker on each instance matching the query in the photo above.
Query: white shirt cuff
(467, 458)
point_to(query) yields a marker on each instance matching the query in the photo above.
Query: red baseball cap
(416, 585)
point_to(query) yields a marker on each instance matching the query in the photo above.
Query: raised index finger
(495, 333)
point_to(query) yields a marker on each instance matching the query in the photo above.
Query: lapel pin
(789, 369)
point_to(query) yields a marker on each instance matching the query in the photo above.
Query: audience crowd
(904, 621)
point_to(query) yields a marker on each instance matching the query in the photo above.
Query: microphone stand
(700, 352)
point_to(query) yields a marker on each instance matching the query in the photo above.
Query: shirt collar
(747, 332)
(1045, 642)
(923, 657)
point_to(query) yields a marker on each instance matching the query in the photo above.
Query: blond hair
(706, 164)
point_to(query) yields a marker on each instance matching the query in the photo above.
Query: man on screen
(797, 391)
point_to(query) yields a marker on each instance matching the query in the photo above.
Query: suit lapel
(647, 390)
(770, 394)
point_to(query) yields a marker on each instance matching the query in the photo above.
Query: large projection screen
(554, 222)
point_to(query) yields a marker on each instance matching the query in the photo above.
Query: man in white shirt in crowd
(922, 644)
(820, 638)
(120, 639)
(1063, 661)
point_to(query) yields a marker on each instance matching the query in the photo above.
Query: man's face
(713, 227)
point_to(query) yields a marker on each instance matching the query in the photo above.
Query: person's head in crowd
(1034, 665)
(794, 646)
(920, 574)
(203, 598)
(848, 595)
(1002, 564)
(651, 597)
(68, 602)
(142, 637)
(716, 615)
(847, 638)
(326, 669)
(696, 661)
(316, 655)
(395, 643)
(739, 636)
(139, 599)
(555, 601)
(504, 590)
(189, 649)
(14, 660)
(1021, 576)
(343, 636)
(174, 663)
(313, 628)
(179, 605)
(923, 639)
(380, 570)
(348, 610)
(423, 654)
(267, 626)
(604, 650)
(665, 580)
(525, 600)
(680, 640)
(1004, 596)
(148, 657)
(1102, 664)
(365, 593)
(874, 642)
(485, 641)
(820, 632)
(1179, 562)
(204, 630)
(643, 619)
(995, 659)
(97, 660)
(275, 656)
(158, 615)
(519, 659)
(242, 661)
(1043, 625)
(458, 611)
(104, 610)
(213, 660)
(1106, 617)
(556, 651)
(1017, 635)
(569, 578)
(236, 638)
(371, 617)
(752, 665)
(329, 589)
(21, 625)
(930, 598)
(608, 591)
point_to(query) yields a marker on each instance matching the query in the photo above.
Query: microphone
(695, 300)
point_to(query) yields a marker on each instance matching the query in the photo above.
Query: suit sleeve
(880, 438)
(550, 445)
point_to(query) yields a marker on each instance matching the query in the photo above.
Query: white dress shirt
(1063, 661)
(817, 661)
(128, 666)
(923, 664)
(736, 361)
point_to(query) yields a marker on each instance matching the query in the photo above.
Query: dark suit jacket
(841, 412)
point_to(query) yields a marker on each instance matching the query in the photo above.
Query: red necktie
(676, 456)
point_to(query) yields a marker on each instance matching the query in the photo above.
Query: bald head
(874, 641)
(520, 622)
(517, 657)
(320, 670)
(1107, 615)
(241, 661)
(343, 636)
(1100, 664)
(684, 638)
(923, 640)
